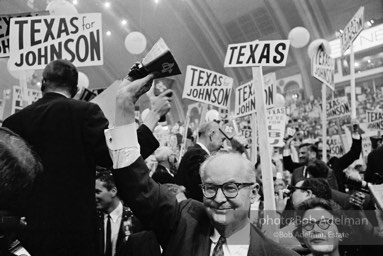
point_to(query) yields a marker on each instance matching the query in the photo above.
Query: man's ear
(114, 191)
(310, 193)
(254, 192)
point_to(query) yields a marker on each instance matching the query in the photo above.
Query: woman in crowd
(322, 225)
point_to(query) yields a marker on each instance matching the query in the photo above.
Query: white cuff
(123, 145)
(286, 152)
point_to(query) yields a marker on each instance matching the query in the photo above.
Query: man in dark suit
(308, 154)
(122, 222)
(210, 140)
(166, 161)
(68, 135)
(219, 225)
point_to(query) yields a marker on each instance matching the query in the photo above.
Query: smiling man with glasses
(218, 226)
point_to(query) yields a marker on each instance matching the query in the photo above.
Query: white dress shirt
(237, 244)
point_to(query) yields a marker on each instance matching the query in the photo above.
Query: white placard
(257, 53)
(323, 67)
(353, 29)
(36, 41)
(375, 120)
(245, 96)
(207, 86)
(338, 108)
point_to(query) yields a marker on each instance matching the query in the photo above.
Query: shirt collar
(203, 147)
(116, 213)
(241, 237)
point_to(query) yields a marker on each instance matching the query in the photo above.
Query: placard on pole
(256, 54)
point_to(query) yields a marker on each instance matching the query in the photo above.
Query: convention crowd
(72, 185)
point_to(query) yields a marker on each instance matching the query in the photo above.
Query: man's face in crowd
(299, 195)
(303, 154)
(216, 138)
(104, 197)
(231, 213)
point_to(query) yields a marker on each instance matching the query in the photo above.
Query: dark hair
(107, 178)
(317, 168)
(61, 74)
(314, 149)
(319, 187)
(19, 167)
(328, 205)
(310, 147)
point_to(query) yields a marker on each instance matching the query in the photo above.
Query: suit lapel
(256, 247)
(201, 241)
(101, 231)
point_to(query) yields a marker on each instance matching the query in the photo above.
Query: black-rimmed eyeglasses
(324, 224)
(293, 188)
(229, 189)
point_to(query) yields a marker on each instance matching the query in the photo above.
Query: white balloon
(299, 37)
(212, 115)
(17, 74)
(279, 100)
(61, 7)
(83, 81)
(314, 45)
(135, 42)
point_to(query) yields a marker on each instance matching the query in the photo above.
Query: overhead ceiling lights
(75, 2)
(124, 22)
(108, 33)
(107, 5)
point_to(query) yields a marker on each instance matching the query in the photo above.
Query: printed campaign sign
(335, 145)
(323, 67)
(375, 120)
(352, 30)
(257, 53)
(245, 96)
(338, 108)
(17, 99)
(366, 146)
(5, 21)
(276, 121)
(207, 86)
(160, 60)
(36, 41)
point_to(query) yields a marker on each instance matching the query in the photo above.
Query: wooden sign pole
(352, 75)
(324, 124)
(254, 138)
(267, 174)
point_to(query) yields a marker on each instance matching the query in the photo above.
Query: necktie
(108, 245)
(218, 249)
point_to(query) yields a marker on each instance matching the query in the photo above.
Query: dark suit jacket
(339, 164)
(68, 135)
(182, 228)
(374, 171)
(188, 172)
(298, 175)
(162, 176)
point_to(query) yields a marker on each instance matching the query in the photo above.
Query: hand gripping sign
(207, 86)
